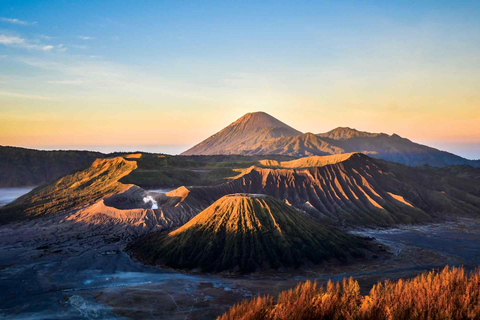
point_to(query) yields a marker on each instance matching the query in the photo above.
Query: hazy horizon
(467, 150)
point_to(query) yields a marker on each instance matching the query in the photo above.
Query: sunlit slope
(114, 179)
(261, 134)
(245, 233)
(71, 191)
(302, 145)
(307, 162)
(346, 189)
(356, 190)
(164, 171)
(248, 130)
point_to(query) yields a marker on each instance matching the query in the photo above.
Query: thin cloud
(61, 48)
(79, 46)
(18, 42)
(17, 21)
(110, 79)
(86, 38)
(8, 40)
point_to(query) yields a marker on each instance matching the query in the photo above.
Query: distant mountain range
(347, 189)
(259, 133)
(247, 200)
(255, 133)
(275, 213)
(355, 190)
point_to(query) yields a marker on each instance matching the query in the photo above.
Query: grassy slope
(447, 294)
(244, 233)
(106, 176)
(174, 171)
(338, 191)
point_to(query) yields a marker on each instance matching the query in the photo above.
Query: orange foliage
(447, 294)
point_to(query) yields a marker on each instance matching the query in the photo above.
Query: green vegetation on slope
(28, 167)
(71, 191)
(106, 176)
(173, 171)
(449, 294)
(246, 233)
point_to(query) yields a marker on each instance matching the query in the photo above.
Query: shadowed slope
(246, 232)
(345, 133)
(104, 194)
(73, 190)
(355, 190)
(351, 189)
(465, 172)
(392, 148)
(246, 131)
(27, 167)
(301, 145)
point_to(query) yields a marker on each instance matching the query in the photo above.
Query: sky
(164, 75)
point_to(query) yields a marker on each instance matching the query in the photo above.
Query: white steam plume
(148, 199)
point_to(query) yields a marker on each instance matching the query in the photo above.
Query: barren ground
(53, 268)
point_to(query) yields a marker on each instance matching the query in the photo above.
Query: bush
(446, 294)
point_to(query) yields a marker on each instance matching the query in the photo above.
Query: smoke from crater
(148, 199)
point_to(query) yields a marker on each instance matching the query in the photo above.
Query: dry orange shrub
(436, 295)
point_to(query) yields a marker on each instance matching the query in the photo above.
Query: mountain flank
(245, 233)
(347, 189)
(71, 191)
(392, 148)
(249, 130)
(260, 134)
(308, 162)
(21, 167)
(346, 133)
(353, 190)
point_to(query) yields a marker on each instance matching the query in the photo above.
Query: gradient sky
(140, 74)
